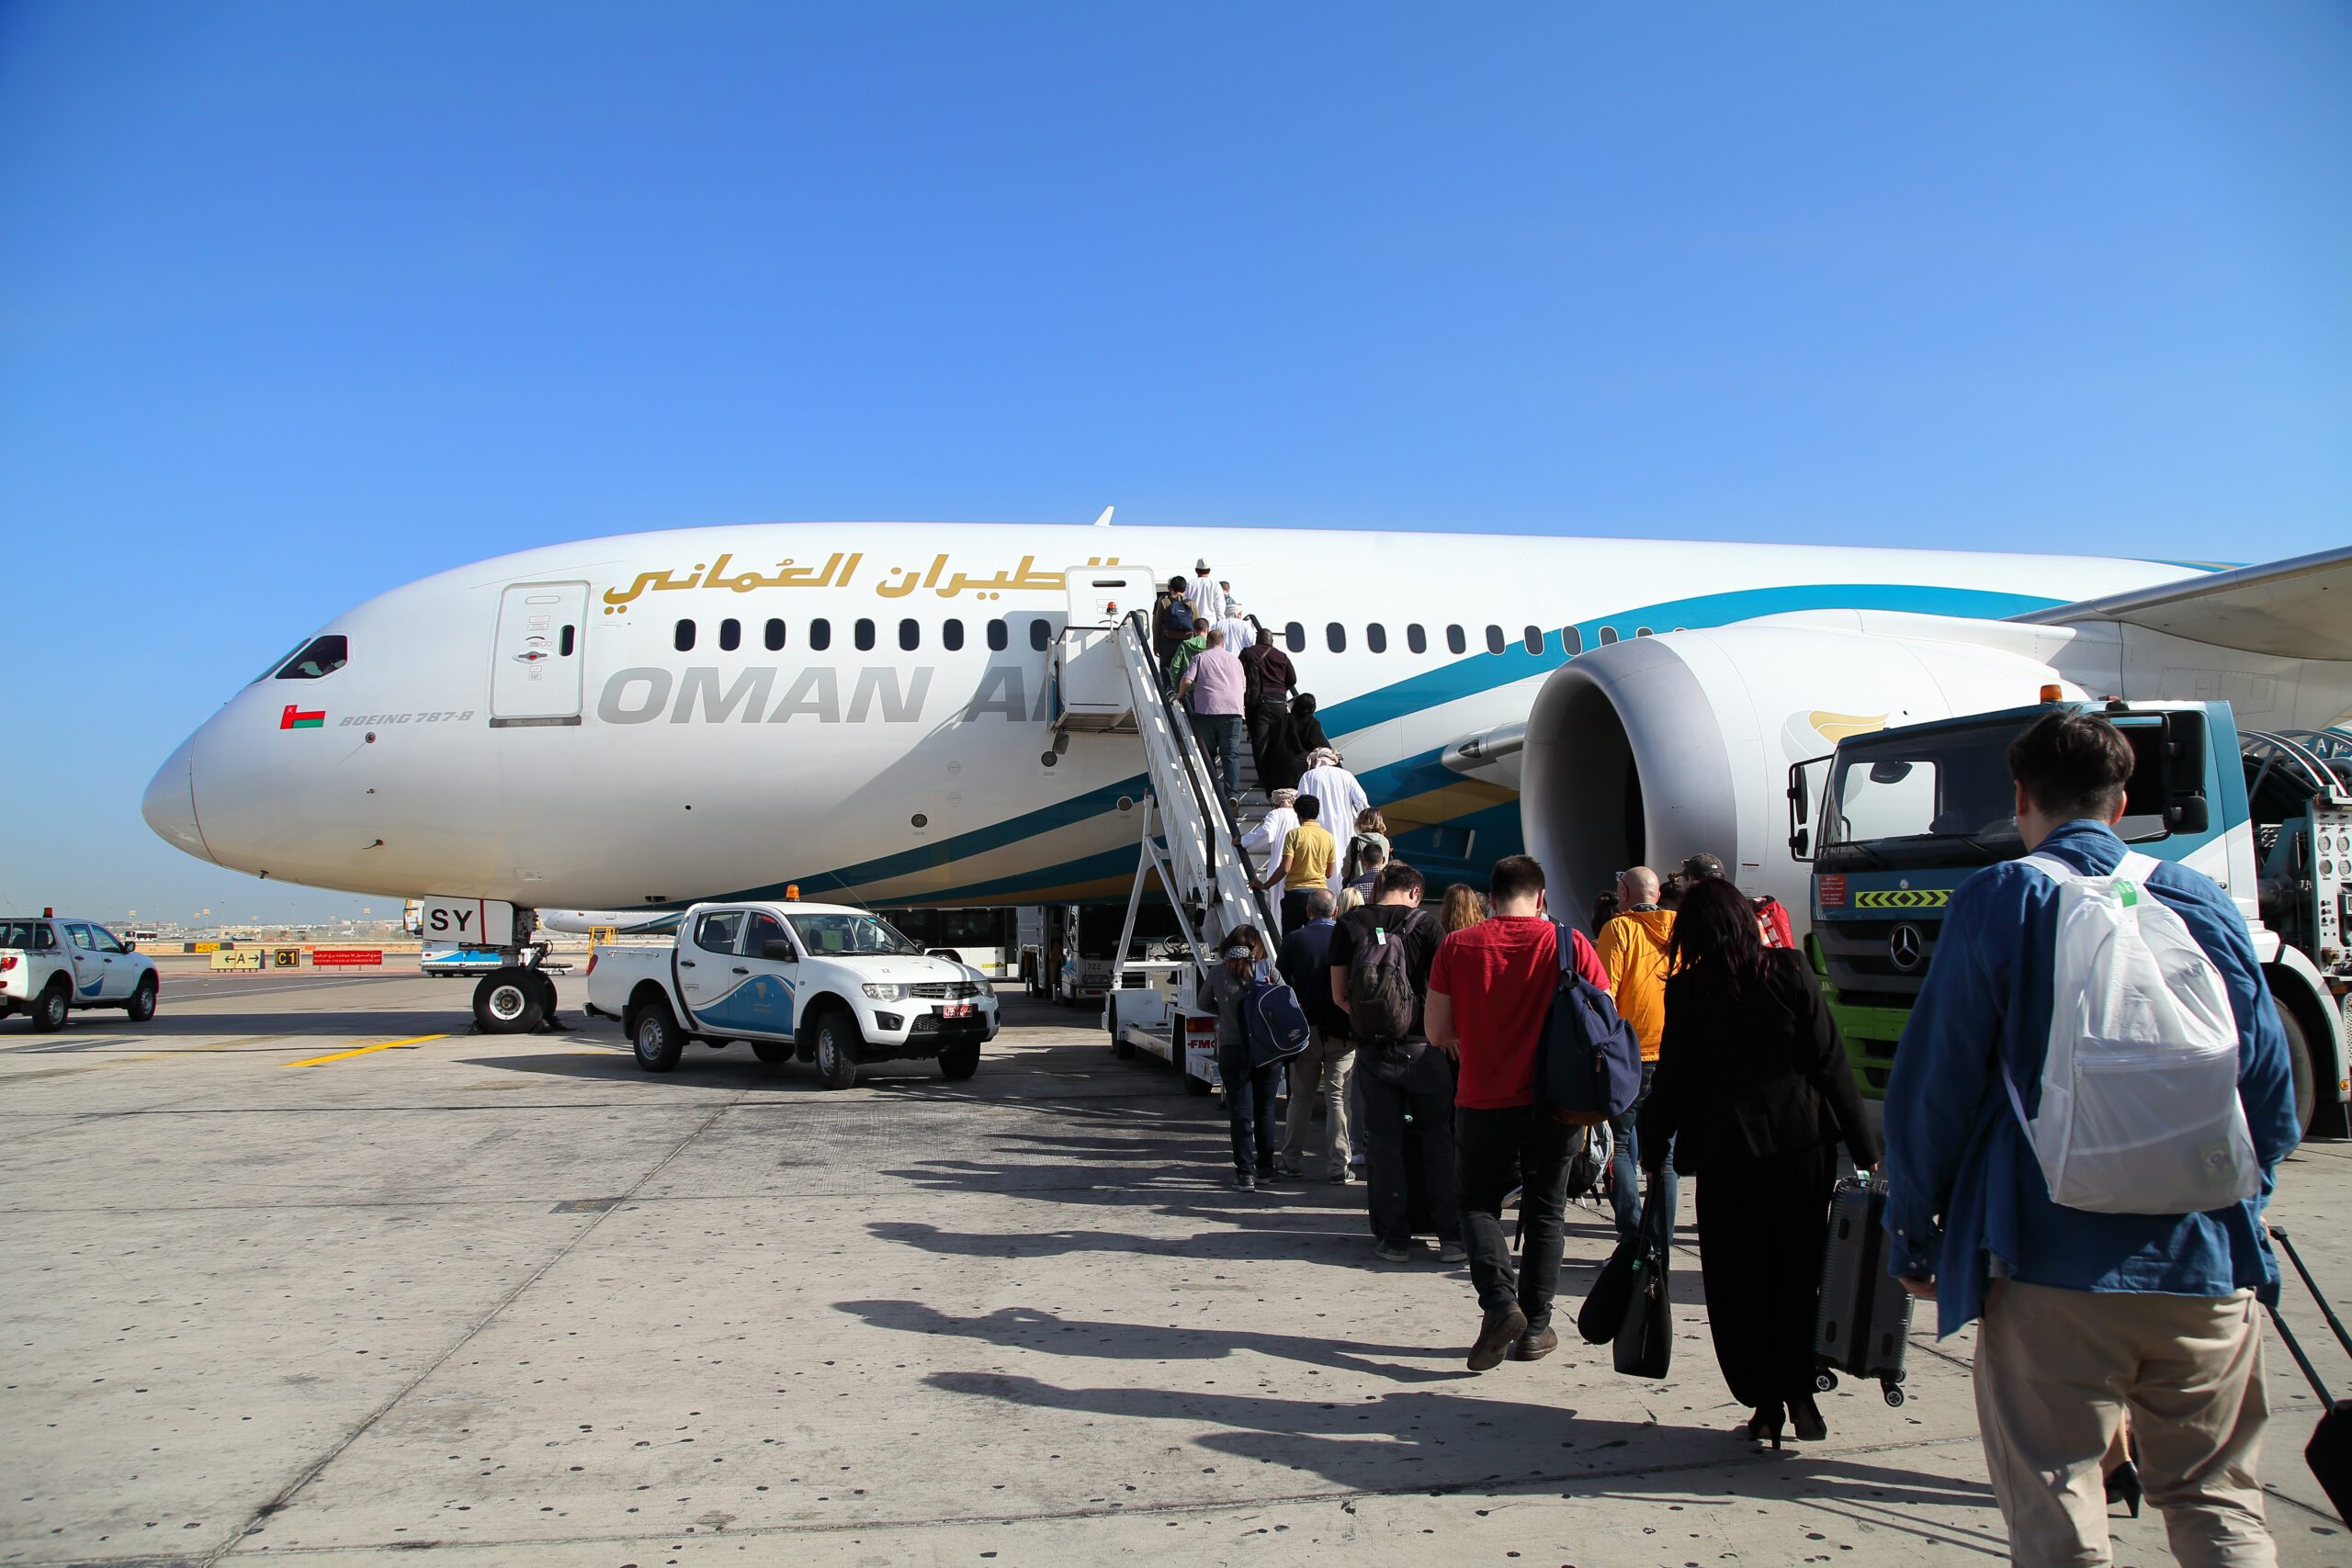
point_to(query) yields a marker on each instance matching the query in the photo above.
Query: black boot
(1766, 1424)
(1804, 1416)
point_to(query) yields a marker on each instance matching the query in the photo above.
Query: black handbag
(2329, 1453)
(1603, 1311)
(1645, 1343)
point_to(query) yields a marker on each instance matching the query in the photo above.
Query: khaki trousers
(2056, 1371)
(1330, 1062)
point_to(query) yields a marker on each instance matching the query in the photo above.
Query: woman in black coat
(1754, 1088)
(1296, 735)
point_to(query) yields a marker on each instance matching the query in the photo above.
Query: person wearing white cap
(1341, 797)
(1203, 593)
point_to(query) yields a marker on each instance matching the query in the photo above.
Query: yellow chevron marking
(1904, 898)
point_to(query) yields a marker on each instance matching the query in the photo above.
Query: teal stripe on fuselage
(1469, 676)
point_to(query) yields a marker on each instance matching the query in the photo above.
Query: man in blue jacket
(2085, 1315)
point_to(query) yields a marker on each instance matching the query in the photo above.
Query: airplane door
(1105, 595)
(534, 668)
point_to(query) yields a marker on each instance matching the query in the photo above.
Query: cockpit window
(321, 656)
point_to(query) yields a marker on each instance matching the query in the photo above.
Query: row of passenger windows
(864, 633)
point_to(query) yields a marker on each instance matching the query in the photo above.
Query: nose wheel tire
(141, 1006)
(837, 1050)
(509, 1001)
(49, 1011)
(655, 1038)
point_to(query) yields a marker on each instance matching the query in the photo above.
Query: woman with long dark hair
(1249, 1090)
(1754, 1090)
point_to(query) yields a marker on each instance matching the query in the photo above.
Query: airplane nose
(170, 802)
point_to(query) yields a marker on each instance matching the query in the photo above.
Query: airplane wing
(2300, 608)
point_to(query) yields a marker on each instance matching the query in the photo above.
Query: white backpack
(2140, 1112)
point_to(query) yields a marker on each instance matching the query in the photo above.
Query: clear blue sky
(300, 301)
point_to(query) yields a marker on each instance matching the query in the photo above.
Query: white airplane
(865, 710)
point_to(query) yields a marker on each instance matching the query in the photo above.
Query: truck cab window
(106, 941)
(320, 656)
(761, 930)
(716, 933)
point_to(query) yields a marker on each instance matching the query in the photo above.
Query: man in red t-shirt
(1490, 991)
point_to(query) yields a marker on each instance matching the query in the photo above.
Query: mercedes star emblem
(1907, 945)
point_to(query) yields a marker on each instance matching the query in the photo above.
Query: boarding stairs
(1106, 682)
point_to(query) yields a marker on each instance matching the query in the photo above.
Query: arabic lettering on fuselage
(840, 571)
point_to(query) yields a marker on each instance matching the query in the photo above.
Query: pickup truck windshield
(851, 936)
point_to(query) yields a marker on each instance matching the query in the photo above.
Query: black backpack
(1382, 1003)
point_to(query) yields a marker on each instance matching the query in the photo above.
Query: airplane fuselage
(863, 709)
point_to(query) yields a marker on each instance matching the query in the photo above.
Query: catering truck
(1895, 820)
(54, 965)
(820, 983)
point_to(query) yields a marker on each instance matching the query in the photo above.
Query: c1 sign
(476, 922)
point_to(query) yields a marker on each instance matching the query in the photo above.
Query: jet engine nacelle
(1648, 751)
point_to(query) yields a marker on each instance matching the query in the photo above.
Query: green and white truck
(1896, 819)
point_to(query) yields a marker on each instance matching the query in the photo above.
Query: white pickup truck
(52, 964)
(821, 982)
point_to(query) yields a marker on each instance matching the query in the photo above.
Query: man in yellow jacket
(1633, 948)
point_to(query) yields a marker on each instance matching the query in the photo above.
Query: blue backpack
(1274, 1020)
(1589, 1064)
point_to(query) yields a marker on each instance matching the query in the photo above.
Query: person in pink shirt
(1216, 680)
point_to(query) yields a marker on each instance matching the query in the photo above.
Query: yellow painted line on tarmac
(365, 1049)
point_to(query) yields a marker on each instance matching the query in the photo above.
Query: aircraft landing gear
(512, 1000)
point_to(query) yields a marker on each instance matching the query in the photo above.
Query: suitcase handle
(2287, 1244)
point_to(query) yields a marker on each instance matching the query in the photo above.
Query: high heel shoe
(2123, 1486)
(1804, 1416)
(1766, 1424)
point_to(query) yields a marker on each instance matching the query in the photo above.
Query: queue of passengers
(1237, 685)
(2085, 1318)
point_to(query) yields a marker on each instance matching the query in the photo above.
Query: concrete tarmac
(302, 1267)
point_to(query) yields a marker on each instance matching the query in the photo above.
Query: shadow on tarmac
(1378, 1444)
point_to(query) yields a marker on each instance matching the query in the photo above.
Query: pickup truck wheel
(141, 1006)
(837, 1043)
(507, 1002)
(49, 1009)
(772, 1050)
(960, 1062)
(656, 1039)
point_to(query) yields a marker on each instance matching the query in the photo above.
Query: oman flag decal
(295, 718)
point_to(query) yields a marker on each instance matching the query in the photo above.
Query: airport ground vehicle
(54, 965)
(440, 962)
(986, 937)
(1069, 952)
(820, 982)
(1906, 814)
